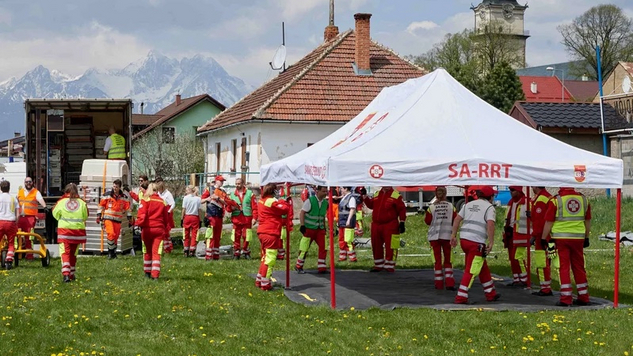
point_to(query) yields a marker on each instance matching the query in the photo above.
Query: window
(218, 147)
(169, 134)
(234, 154)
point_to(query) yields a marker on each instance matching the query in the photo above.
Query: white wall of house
(266, 142)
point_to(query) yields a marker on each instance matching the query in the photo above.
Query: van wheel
(459, 204)
(46, 260)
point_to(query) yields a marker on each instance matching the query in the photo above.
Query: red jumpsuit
(287, 222)
(538, 221)
(152, 219)
(388, 211)
(215, 214)
(518, 267)
(241, 223)
(570, 251)
(441, 245)
(270, 211)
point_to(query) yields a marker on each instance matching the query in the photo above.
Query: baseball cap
(516, 187)
(487, 191)
(219, 178)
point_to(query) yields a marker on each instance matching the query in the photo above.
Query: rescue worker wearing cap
(28, 198)
(114, 145)
(517, 236)
(269, 230)
(110, 215)
(9, 212)
(312, 220)
(152, 218)
(568, 222)
(476, 238)
(387, 223)
(287, 226)
(439, 216)
(541, 262)
(217, 201)
(242, 217)
(346, 225)
(71, 213)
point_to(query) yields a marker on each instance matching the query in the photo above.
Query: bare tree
(497, 44)
(605, 26)
(184, 156)
(147, 154)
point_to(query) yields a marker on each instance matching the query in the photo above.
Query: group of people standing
(558, 226)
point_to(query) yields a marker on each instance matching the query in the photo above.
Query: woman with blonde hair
(190, 220)
(71, 213)
(152, 219)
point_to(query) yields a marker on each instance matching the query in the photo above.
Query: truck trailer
(61, 134)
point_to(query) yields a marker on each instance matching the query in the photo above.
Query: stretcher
(20, 252)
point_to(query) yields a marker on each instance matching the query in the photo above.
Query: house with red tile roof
(305, 103)
(544, 89)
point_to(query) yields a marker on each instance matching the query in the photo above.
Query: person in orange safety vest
(152, 218)
(28, 198)
(110, 215)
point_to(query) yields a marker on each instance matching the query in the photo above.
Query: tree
(502, 87)
(605, 26)
(151, 156)
(496, 44)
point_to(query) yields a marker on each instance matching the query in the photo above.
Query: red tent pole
(288, 242)
(529, 248)
(618, 213)
(330, 218)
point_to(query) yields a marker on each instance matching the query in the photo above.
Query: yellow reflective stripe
(269, 202)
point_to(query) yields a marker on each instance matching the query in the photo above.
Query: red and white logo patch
(573, 206)
(376, 171)
(72, 205)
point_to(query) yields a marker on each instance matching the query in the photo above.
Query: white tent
(433, 131)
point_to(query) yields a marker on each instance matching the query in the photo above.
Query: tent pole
(287, 247)
(529, 248)
(618, 213)
(330, 217)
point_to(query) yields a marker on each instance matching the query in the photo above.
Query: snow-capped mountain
(154, 80)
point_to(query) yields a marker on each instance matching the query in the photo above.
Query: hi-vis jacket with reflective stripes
(117, 149)
(571, 211)
(315, 218)
(71, 215)
(271, 211)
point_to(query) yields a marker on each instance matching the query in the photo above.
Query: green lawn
(201, 308)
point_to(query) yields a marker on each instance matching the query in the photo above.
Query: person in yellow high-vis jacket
(71, 213)
(312, 219)
(114, 145)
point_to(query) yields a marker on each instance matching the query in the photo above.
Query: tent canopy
(433, 131)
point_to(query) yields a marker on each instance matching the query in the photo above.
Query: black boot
(66, 279)
(8, 265)
(148, 275)
(111, 254)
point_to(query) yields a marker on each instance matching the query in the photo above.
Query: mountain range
(154, 80)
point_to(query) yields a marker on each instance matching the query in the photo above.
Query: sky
(242, 35)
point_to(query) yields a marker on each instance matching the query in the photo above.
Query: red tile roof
(322, 86)
(172, 110)
(582, 91)
(144, 119)
(548, 89)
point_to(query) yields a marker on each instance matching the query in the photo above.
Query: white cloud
(91, 46)
(421, 25)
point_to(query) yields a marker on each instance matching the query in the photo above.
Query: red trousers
(190, 224)
(471, 249)
(26, 223)
(8, 229)
(544, 274)
(241, 223)
(381, 245)
(317, 236)
(213, 247)
(153, 239)
(113, 231)
(442, 248)
(68, 250)
(518, 268)
(269, 245)
(345, 250)
(570, 253)
(168, 245)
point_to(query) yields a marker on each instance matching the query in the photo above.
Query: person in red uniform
(111, 210)
(287, 226)
(217, 201)
(152, 219)
(29, 197)
(439, 216)
(71, 214)
(541, 262)
(9, 212)
(516, 236)
(270, 211)
(242, 218)
(568, 222)
(388, 217)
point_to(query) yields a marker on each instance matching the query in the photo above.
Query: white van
(15, 173)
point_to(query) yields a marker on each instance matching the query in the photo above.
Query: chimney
(585, 78)
(363, 43)
(533, 88)
(142, 105)
(331, 31)
(178, 101)
(16, 134)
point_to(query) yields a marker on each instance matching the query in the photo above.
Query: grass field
(200, 308)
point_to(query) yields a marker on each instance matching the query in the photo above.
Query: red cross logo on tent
(376, 171)
(573, 206)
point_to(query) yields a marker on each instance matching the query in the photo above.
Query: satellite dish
(626, 84)
(279, 59)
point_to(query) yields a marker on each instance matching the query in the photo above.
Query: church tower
(506, 13)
